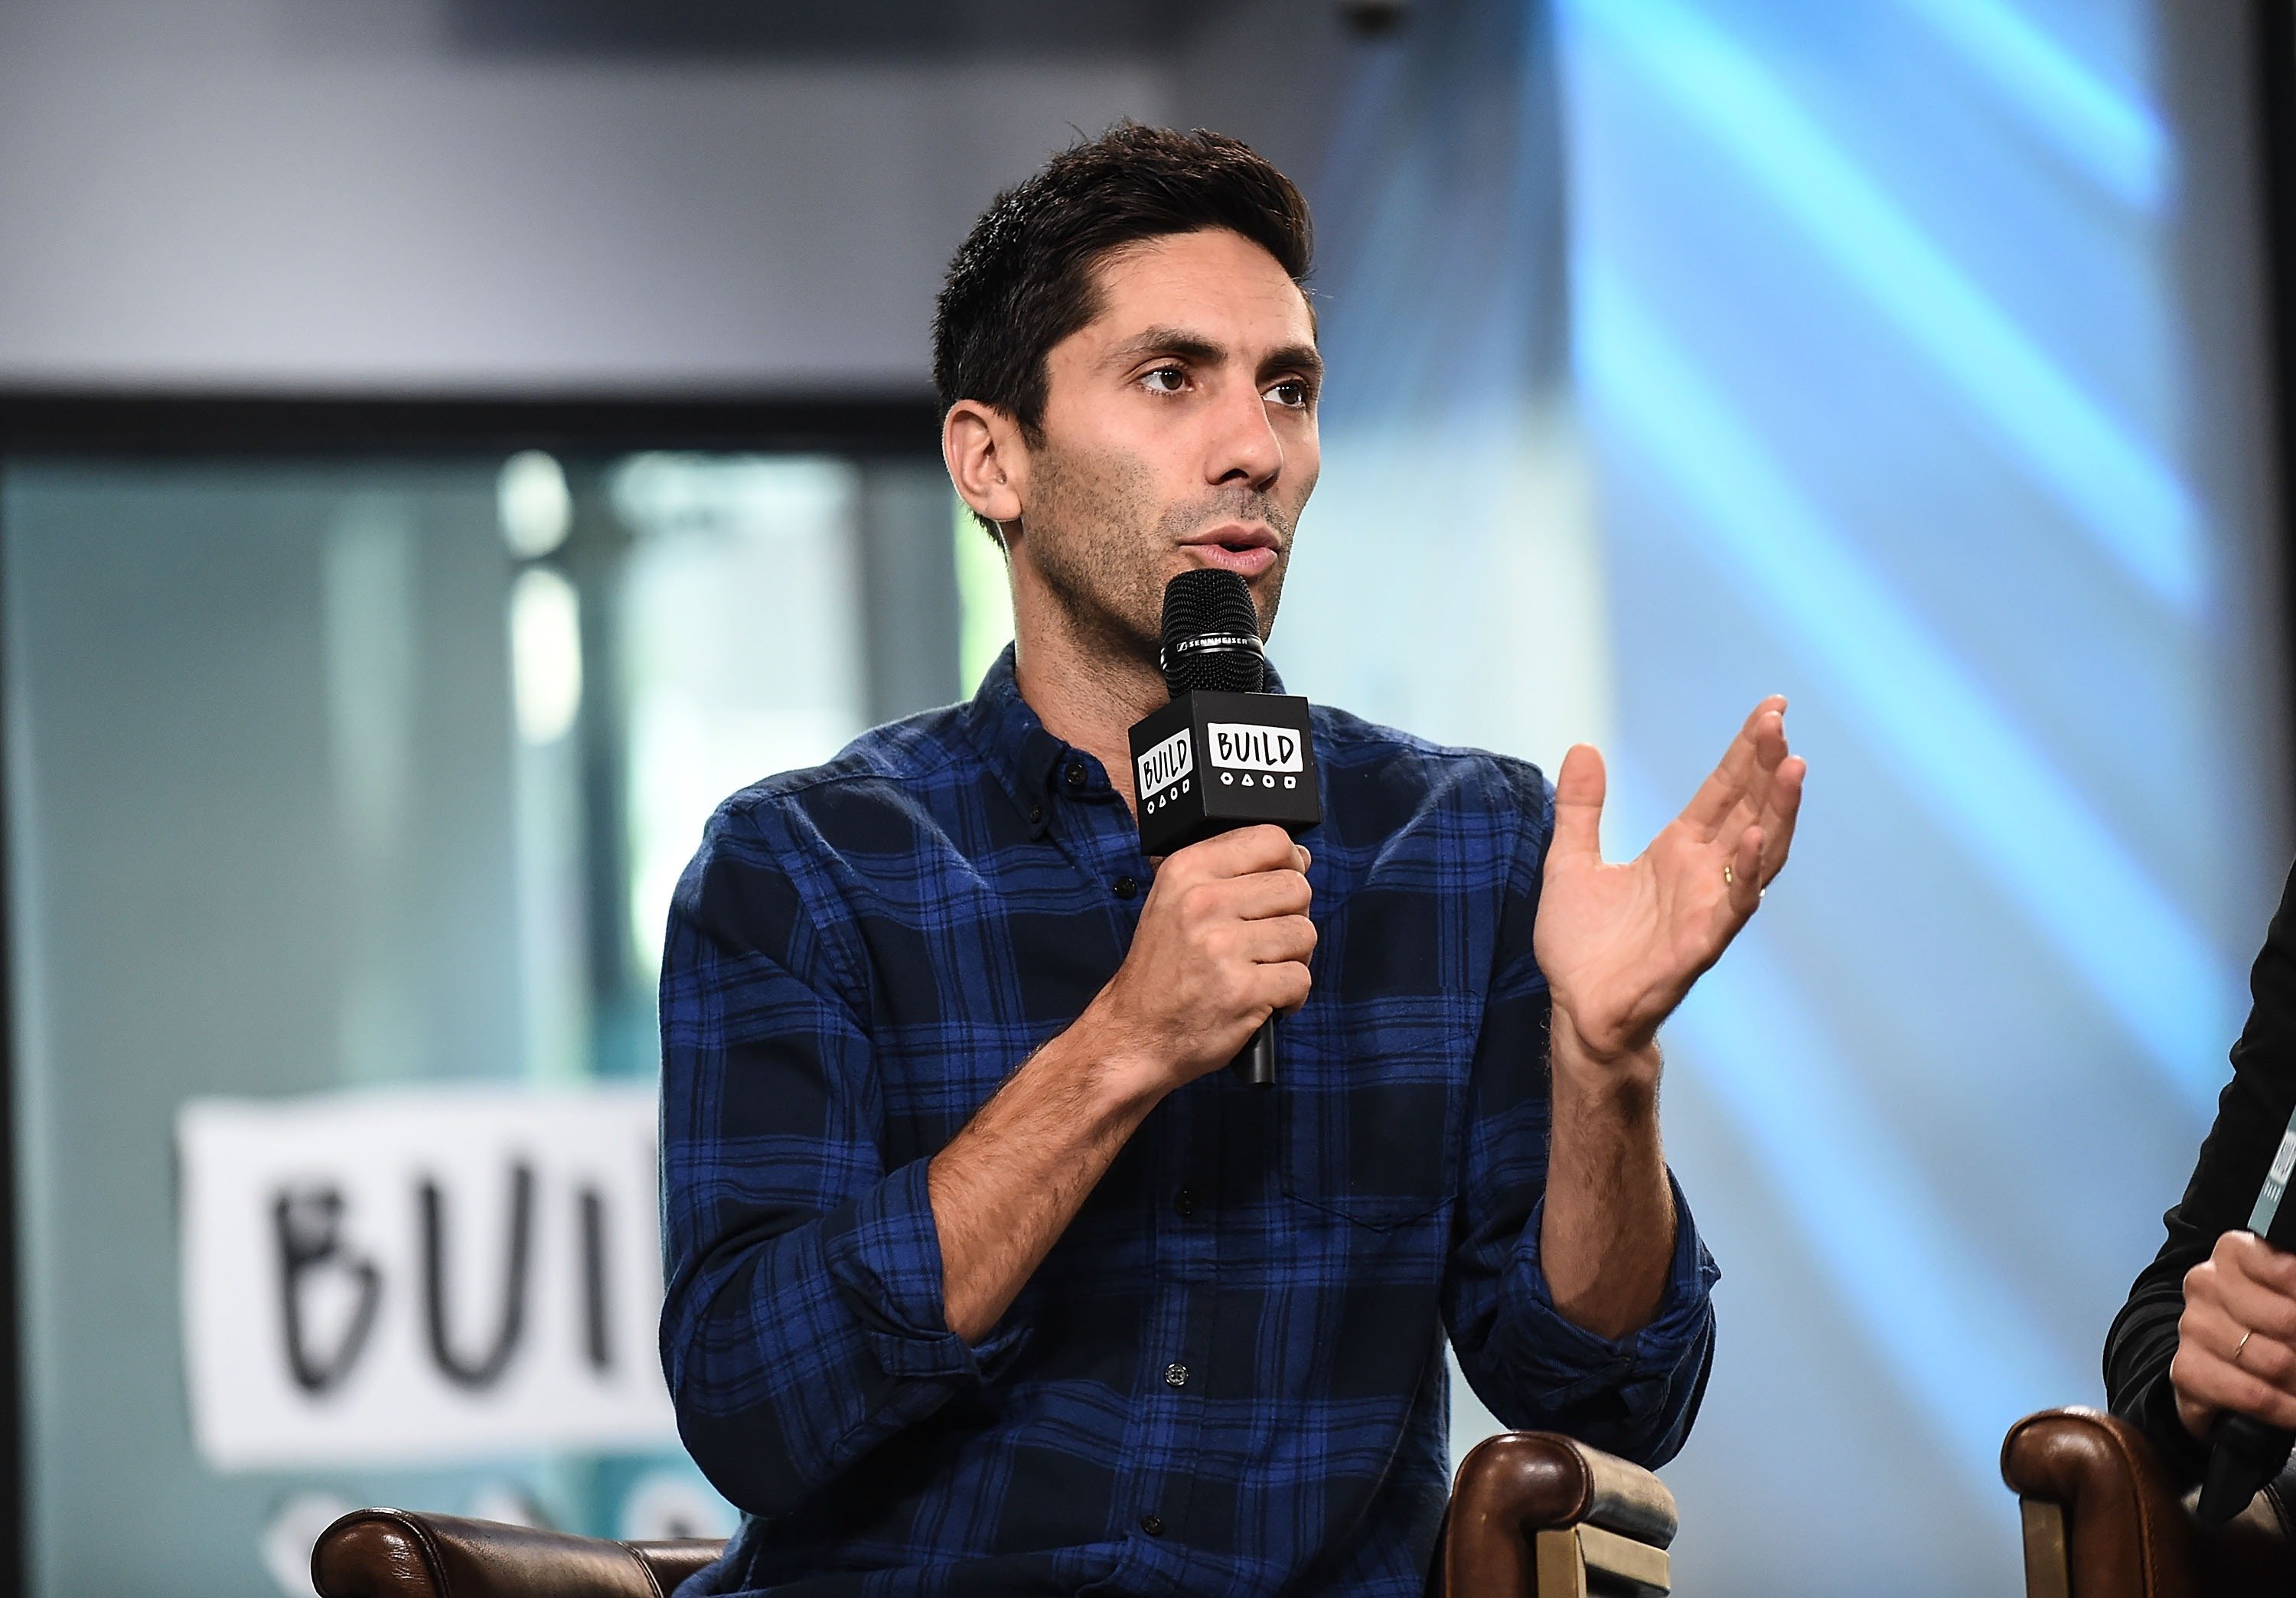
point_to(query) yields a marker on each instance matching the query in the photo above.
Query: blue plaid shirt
(1227, 1375)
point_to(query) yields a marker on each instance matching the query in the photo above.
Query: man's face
(1179, 431)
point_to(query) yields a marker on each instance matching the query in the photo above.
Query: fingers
(1259, 873)
(2253, 1307)
(1726, 786)
(1267, 963)
(2236, 1339)
(1224, 941)
(2213, 1370)
(1275, 941)
(2254, 1283)
(1757, 787)
(1780, 814)
(1745, 891)
(2255, 1259)
(1754, 755)
(1774, 821)
(1282, 988)
(1259, 897)
(1240, 853)
(1578, 789)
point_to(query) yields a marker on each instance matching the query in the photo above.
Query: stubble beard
(1097, 535)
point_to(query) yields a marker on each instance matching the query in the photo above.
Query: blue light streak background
(1876, 327)
(1891, 339)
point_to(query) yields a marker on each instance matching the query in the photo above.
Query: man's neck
(1085, 693)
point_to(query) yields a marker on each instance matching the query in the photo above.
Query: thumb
(1579, 790)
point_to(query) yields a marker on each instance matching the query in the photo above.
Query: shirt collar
(1020, 752)
(1025, 757)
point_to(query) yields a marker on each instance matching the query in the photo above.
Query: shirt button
(1126, 887)
(1153, 1525)
(1036, 813)
(1184, 1202)
(1176, 1375)
(1074, 774)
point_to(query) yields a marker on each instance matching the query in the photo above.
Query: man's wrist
(1623, 1076)
(1122, 1080)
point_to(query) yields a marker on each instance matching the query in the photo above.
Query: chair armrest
(2103, 1518)
(1532, 1511)
(394, 1554)
(671, 1562)
(2102, 1515)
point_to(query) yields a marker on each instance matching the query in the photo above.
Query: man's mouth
(1246, 551)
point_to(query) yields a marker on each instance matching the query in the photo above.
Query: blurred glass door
(328, 775)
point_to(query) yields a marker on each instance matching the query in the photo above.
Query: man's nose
(1245, 445)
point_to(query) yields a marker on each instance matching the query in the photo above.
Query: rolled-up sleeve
(1635, 1395)
(803, 1322)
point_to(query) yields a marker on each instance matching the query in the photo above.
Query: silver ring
(2238, 1348)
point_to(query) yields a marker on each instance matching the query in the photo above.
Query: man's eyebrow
(1168, 340)
(1187, 346)
(1300, 358)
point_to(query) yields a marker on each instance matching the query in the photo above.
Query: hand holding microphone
(2236, 1339)
(2234, 1367)
(1224, 755)
(1223, 944)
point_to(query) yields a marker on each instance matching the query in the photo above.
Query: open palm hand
(1621, 944)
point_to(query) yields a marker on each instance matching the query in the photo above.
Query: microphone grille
(1211, 634)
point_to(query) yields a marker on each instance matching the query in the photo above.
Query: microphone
(1224, 753)
(2243, 1452)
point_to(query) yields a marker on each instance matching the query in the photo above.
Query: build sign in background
(421, 1275)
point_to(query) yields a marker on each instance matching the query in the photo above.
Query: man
(985, 1277)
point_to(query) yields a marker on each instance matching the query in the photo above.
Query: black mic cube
(1207, 762)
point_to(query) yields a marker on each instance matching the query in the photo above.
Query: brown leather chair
(1530, 1513)
(395, 1554)
(2105, 1520)
(1533, 1513)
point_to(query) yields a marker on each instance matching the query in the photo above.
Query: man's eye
(1156, 380)
(1290, 392)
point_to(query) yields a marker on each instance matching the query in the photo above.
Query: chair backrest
(394, 1554)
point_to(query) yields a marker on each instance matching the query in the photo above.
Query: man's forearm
(1007, 1187)
(1607, 1234)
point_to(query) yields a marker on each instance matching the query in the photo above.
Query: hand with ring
(2236, 1339)
(1621, 943)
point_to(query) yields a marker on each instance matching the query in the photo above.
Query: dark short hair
(1022, 280)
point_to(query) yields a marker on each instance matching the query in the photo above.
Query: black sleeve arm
(2252, 1113)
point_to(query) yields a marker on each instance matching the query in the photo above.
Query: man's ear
(987, 459)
